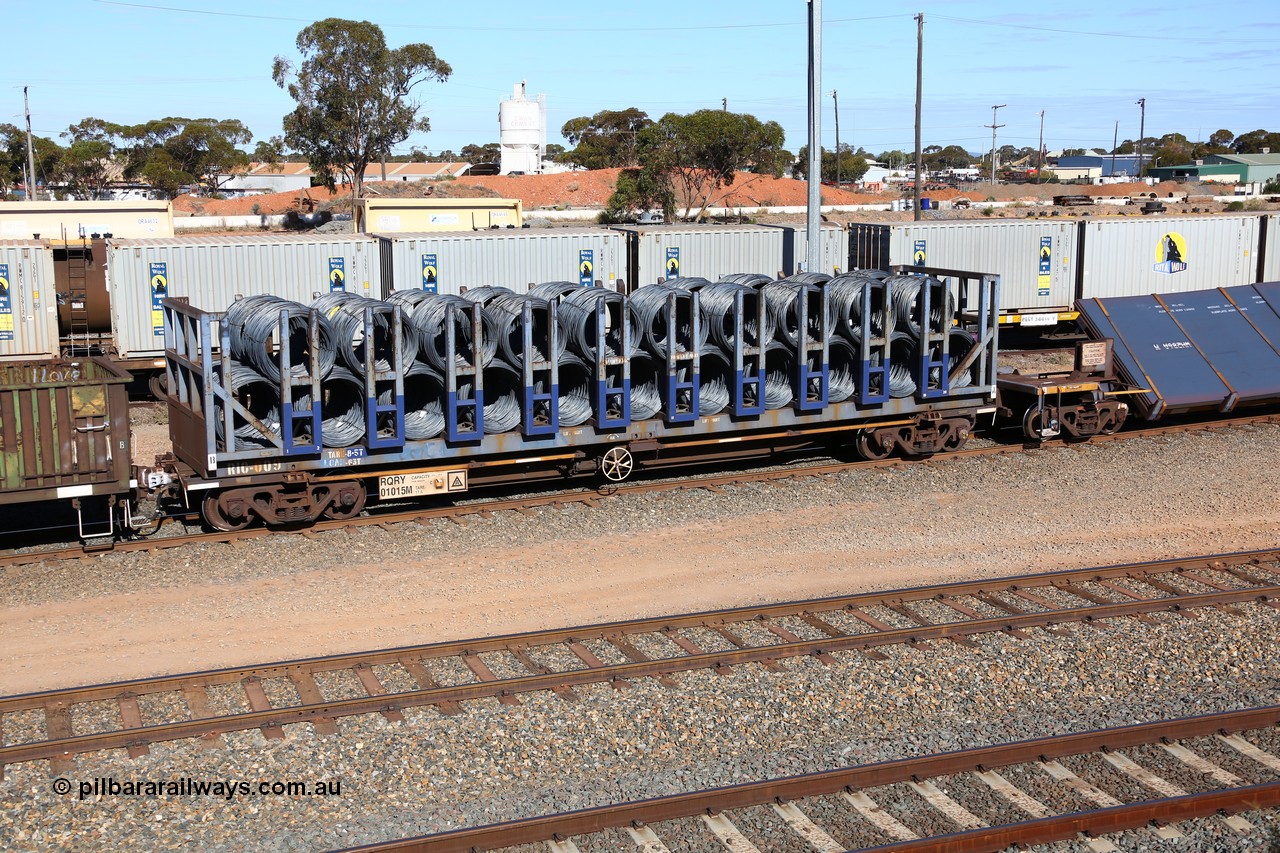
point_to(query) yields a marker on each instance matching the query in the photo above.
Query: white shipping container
(212, 271)
(706, 251)
(28, 303)
(447, 262)
(1271, 248)
(1035, 259)
(834, 256)
(1168, 254)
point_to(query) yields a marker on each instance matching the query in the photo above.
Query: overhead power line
(1138, 36)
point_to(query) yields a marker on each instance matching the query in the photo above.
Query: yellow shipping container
(71, 220)
(387, 215)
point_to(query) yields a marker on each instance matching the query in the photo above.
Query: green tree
(205, 148)
(490, 152)
(1220, 141)
(636, 190)
(270, 152)
(88, 166)
(851, 166)
(352, 96)
(1254, 141)
(700, 154)
(608, 139)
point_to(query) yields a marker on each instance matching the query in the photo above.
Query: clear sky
(1200, 66)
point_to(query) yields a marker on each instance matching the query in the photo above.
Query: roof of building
(414, 171)
(1250, 159)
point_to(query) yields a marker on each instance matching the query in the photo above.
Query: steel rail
(712, 801)
(792, 646)
(581, 496)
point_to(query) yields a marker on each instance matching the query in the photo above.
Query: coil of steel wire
(715, 375)
(346, 314)
(806, 278)
(503, 390)
(778, 368)
(255, 324)
(746, 279)
(717, 303)
(842, 370)
(574, 398)
(482, 295)
(783, 300)
(902, 382)
(908, 302)
(845, 292)
(342, 408)
(261, 397)
(692, 282)
(423, 402)
(554, 289)
(646, 399)
(429, 313)
(958, 345)
(506, 311)
(652, 304)
(577, 315)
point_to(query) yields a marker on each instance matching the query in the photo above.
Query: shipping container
(412, 215)
(834, 240)
(1167, 254)
(1269, 263)
(448, 262)
(28, 303)
(212, 271)
(1036, 260)
(657, 252)
(70, 220)
(64, 430)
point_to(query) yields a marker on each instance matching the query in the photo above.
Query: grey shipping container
(1167, 254)
(834, 257)
(1269, 264)
(709, 251)
(28, 303)
(212, 271)
(447, 261)
(1036, 260)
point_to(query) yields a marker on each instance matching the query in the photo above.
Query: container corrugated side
(1036, 260)
(512, 259)
(708, 251)
(834, 257)
(212, 271)
(28, 302)
(1136, 257)
(1271, 248)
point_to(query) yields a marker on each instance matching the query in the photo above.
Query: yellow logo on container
(1171, 253)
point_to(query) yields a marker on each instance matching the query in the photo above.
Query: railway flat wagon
(28, 304)
(64, 434)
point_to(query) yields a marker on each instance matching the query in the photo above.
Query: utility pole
(31, 160)
(1115, 143)
(915, 194)
(724, 104)
(835, 99)
(813, 216)
(1142, 132)
(993, 127)
(1040, 151)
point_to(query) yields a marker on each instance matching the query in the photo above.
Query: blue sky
(1085, 64)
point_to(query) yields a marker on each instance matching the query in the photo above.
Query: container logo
(673, 262)
(1171, 253)
(430, 282)
(159, 290)
(1045, 277)
(337, 275)
(6, 305)
(586, 267)
(918, 255)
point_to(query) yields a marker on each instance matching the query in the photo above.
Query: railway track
(526, 503)
(134, 714)
(806, 810)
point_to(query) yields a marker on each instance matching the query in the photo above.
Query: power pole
(1142, 132)
(1115, 143)
(835, 99)
(31, 160)
(993, 127)
(724, 104)
(813, 216)
(915, 195)
(1040, 151)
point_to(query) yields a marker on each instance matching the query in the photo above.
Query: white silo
(522, 126)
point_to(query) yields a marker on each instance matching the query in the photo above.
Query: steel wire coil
(958, 346)
(842, 370)
(651, 304)
(715, 375)
(574, 392)
(506, 310)
(577, 314)
(345, 313)
(845, 292)
(806, 278)
(778, 369)
(260, 396)
(746, 279)
(717, 303)
(646, 398)
(908, 302)
(428, 315)
(255, 337)
(554, 289)
(503, 392)
(482, 295)
(783, 301)
(423, 402)
(902, 382)
(342, 408)
(691, 282)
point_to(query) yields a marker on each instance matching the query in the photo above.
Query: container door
(54, 436)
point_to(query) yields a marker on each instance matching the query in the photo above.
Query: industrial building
(1225, 168)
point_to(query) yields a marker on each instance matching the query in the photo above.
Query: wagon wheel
(226, 517)
(616, 464)
(870, 447)
(158, 385)
(1032, 424)
(348, 504)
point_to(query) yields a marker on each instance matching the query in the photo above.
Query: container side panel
(1133, 257)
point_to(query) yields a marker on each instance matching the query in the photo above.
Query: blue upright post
(748, 358)
(812, 371)
(674, 384)
(873, 358)
(290, 416)
(933, 339)
(541, 408)
(379, 434)
(613, 373)
(459, 410)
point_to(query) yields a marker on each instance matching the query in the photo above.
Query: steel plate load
(783, 299)
(254, 324)
(901, 349)
(717, 376)
(506, 310)
(846, 293)
(778, 361)
(342, 408)
(578, 318)
(842, 360)
(428, 313)
(653, 305)
(908, 303)
(260, 397)
(646, 398)
(423, 406)
(718, 302)
(503, 392)
(345, 313)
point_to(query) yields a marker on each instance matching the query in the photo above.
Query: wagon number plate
(425, 483)
(1039, 319)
